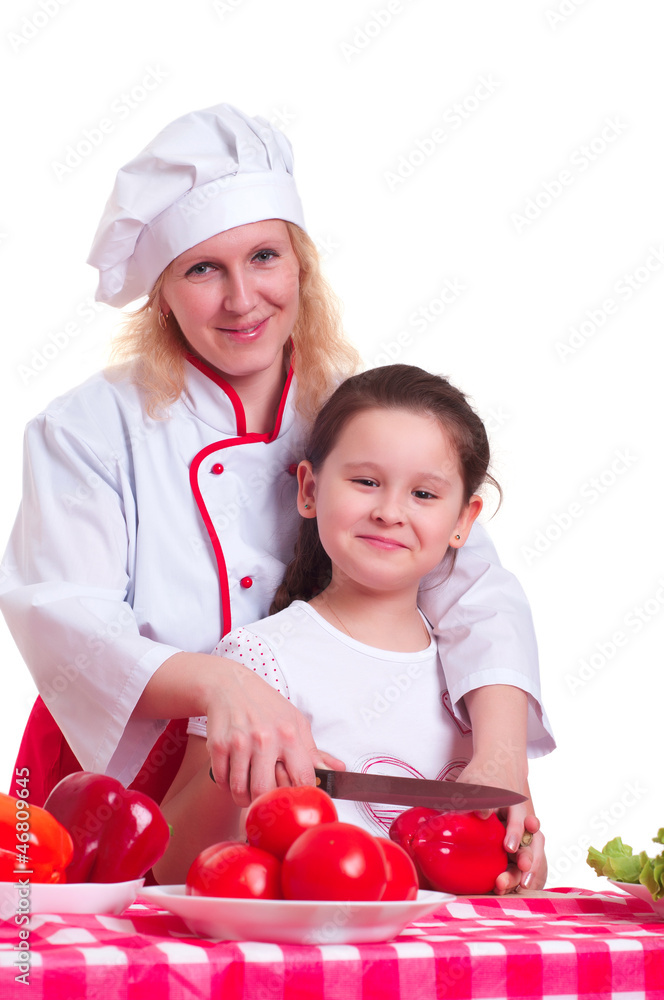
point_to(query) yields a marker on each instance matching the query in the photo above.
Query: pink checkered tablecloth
(569, 943)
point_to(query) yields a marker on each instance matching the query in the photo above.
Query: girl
(388, 491)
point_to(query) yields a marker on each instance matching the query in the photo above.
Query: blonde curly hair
(321, 354)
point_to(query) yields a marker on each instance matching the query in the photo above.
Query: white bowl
(640, 891)
(291, 921)
(74, 897)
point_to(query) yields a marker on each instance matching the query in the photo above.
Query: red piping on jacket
(242, 438)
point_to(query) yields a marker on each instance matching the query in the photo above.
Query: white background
(430, 138)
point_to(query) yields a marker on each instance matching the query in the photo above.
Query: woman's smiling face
(236, 297)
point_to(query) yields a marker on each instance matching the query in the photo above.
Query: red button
(246, 582)
(217, 469)
(292, 469)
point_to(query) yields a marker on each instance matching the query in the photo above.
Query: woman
(159, 509)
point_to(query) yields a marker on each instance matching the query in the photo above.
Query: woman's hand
(256, 738)
(527, 868)
(524, 842)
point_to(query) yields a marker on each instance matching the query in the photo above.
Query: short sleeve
(245, 647)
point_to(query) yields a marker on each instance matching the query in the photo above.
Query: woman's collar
(210, 397)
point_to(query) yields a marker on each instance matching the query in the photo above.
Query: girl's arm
(199, 811)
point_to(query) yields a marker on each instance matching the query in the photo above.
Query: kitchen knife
(447, 796)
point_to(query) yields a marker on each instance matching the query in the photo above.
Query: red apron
(48, 757)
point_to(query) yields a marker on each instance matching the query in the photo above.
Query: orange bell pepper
(33, 844)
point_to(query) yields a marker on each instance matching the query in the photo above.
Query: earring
(163, 320)
(458, 537)
(306, 506)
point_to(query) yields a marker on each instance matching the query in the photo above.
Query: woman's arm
(250, 725)
(489, 654)
(102, 612)
(485, 634)
(64, 587)
(498, 715)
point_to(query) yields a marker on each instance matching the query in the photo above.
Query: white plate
(291, 921)
(640, 891)
(75, 897)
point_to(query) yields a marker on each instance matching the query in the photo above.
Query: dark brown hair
(392, 387)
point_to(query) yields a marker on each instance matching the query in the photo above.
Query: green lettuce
(617, 861)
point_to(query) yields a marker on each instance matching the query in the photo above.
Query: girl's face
(389, 499)
(235, 297)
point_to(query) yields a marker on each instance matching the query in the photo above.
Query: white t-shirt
(379, 711)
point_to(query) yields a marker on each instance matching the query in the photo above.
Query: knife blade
(447, 796)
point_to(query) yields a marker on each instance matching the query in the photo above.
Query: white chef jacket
(138, 538)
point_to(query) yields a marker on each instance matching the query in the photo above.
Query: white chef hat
(206, 172)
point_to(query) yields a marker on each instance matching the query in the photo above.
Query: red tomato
(402, 879)
(334, 861)
(278, 817)
(460, 853)
(237, 870)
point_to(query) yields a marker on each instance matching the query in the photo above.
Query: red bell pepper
(460, 853)
(32, 843)
(118, 834)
